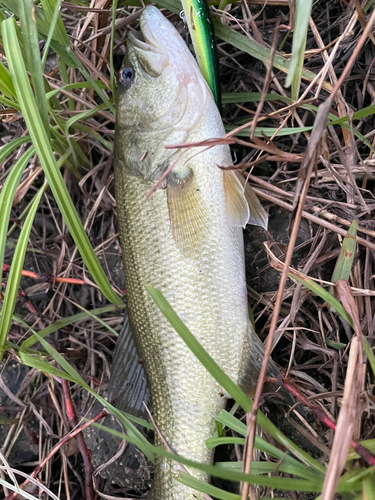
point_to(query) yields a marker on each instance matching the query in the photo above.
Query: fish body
(185, 239)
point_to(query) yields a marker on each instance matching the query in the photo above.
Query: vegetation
(298, 108)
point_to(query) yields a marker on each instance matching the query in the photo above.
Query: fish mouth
(144, 46)
(136, 38)
(145, 39)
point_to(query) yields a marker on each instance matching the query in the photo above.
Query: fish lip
(133, 39)
(144, 39)
(150, 22)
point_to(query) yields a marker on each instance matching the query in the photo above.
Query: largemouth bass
(185, 239)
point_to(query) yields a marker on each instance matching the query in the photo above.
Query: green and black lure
(202, 34)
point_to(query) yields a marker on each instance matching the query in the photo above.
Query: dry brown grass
(321, 179)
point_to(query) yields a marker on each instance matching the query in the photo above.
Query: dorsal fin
(187, 211)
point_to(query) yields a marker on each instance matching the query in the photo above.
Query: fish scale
(201, 273)
(184, 394)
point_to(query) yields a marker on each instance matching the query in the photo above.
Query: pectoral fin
(129, 386)
(236, 205)
(258, 216)
(242, 204)
(187, 211)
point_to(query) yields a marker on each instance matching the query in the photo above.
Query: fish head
(142, 83)
(161, 95)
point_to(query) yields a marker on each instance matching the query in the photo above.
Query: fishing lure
(202, 34)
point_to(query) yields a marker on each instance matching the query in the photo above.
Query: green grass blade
(59, 44)
(238, 97)
(218, 441)
(34, 65)
(335, 345)
(6, 150)
(233, 423)
(230, 421)
(6, 84)
(252, 97)
(54, 21)
(368, 489)
(63, 45)
(203, 487)
(38, 355)
(237, 476)
(234, 475)
(25, 211)
(345, 259)
(246, 45)
(60, 41)
(99, 320)
(14, 278)
(71, 153)
(60, 163)
(259, 51)
(95, 135)
(49, 8)
(62, 323)
(6, 200)
(369, 4)
(201, 354)
(70, 371)
(67, 367)
(111, 66)
(8, 103)
(43, 148)
(94, 85)
(39, 364)
(73, 86)
(358, 115)
(299, 471)
(369, 354)
(225, 381)
(301, 26)
(268, 131)
(83, 116)
(349, 482)
(320, 292)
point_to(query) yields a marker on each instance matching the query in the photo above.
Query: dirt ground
(313, 341)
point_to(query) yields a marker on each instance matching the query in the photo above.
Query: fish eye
(126, 76)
